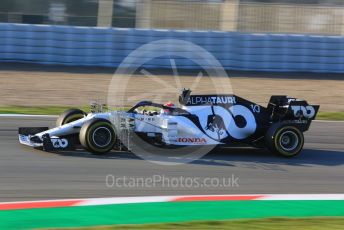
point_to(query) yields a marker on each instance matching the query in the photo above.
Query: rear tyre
(97, 136)
(284, 140)
(69, 116)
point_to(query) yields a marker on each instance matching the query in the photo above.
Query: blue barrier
(90, 46)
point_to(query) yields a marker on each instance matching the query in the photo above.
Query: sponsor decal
(237, 122)
(146, 119)
(24, 138)
(306, 111)
(210, 100)
(59, 143)
(194, 140)
(215, 124)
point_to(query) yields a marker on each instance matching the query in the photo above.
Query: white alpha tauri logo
(59, 143)
(306, 111)
(219, 123)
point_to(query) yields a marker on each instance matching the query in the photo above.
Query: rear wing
(288, 108)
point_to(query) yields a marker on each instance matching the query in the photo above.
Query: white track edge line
(151, 199)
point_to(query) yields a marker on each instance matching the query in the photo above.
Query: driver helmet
(168, 104)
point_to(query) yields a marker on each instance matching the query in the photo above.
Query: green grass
(320, 223)
(55, 110)
(159, 213)
(38, 110)
(335, 116)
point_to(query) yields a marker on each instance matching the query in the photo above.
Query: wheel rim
(102, 137)
(289, 141)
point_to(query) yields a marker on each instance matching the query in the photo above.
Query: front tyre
(97, 136)
(284, 140)
(69, 116)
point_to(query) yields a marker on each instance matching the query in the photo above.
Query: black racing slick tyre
(285, 140)
(97, 136)
(69, 116)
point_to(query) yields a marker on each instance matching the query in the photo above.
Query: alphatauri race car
(226, 120)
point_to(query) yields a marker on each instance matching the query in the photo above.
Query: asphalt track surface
(28, 174)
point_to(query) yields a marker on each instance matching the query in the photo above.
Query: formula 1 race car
(226, 120)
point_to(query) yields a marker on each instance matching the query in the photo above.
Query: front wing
(27, 137)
